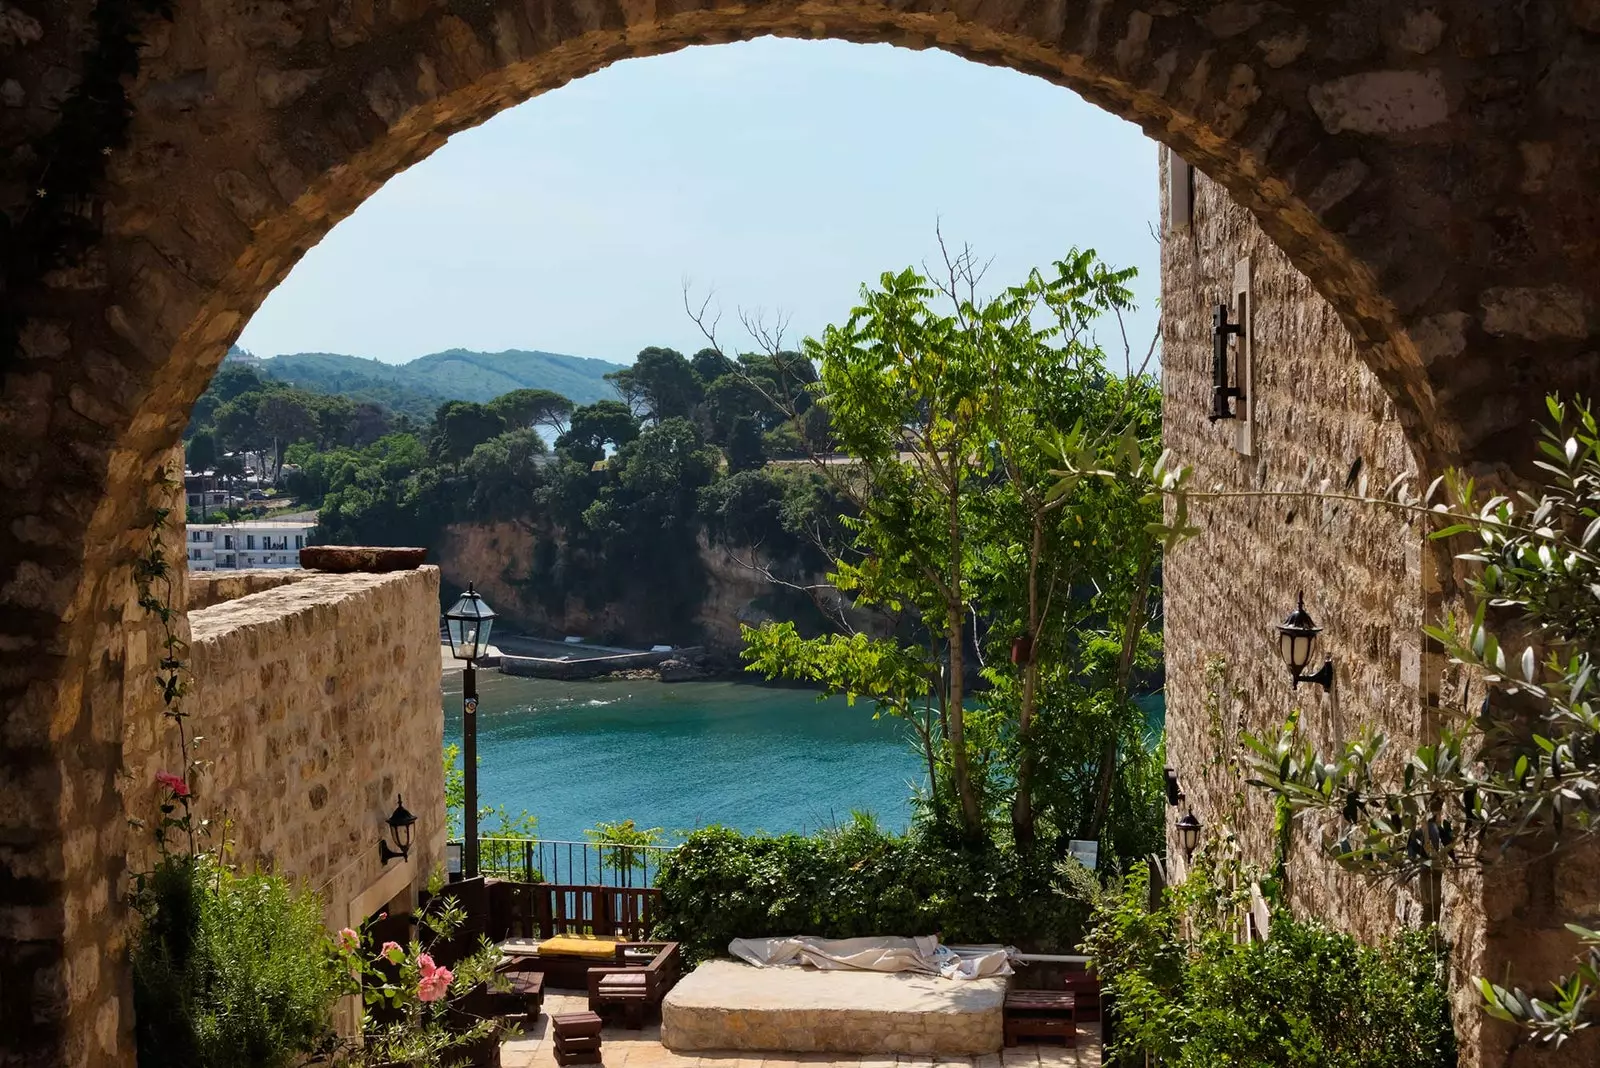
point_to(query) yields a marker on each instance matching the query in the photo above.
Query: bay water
(683, 755)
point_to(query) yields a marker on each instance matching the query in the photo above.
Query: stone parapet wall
(207, 588)
(317, 702)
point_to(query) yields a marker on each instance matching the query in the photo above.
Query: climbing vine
(59, 222)
(154, 577)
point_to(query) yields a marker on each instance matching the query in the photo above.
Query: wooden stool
(577, 1037)
(1040, 1014)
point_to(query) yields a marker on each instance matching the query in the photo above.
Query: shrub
(229, 970)
(1307, 997)
(859, 880)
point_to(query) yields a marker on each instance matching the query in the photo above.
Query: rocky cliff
(499, 558)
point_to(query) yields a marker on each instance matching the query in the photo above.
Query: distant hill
(423, 384)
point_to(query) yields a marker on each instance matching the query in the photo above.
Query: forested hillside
(418, 387)
(614, 491)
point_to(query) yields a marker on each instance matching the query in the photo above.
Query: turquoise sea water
(683, 755)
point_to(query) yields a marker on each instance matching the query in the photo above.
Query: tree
(284, 417)
(660, 385)
(709, 365)
(534, 408)
(200, 452)
(461, 426)
(956, 429)
(596, 426)
(504, 473)
(745, 451)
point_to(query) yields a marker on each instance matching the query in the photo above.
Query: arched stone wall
(1426, 165)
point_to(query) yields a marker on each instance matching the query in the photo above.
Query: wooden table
(529, 986)
(577, 1037)
(1041, 1014)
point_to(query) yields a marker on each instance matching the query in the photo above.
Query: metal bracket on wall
(1244, 422)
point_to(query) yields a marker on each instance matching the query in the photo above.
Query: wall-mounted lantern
(1173, 793)
(1297, 644)
(1222, 394)
(1189, 834)
(400, 822)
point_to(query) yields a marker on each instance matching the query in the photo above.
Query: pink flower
(434, 984)
(348, 939)
(392, 952)
(173, 782)
(425, 964)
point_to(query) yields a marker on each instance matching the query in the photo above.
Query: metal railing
(531, 860)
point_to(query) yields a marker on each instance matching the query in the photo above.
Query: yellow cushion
(600, 947)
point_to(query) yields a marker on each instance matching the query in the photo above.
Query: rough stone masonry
(1427, 166)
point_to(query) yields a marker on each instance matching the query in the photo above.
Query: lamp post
(468, 624)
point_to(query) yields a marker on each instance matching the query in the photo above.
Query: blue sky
(780, 174)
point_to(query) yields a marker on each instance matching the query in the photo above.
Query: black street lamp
(468, 624)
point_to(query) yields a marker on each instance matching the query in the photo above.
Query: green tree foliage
(958, 426)
(230, 970)
(596, 426)
(745, 451)
(536, 408)
(242, 411)
(1188, 992)
(858, 880)
(504, 474)
(461, 426)
(200, 452)
(660, 385)
(710, 364)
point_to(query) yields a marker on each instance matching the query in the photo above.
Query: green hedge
(1189, 994)
(858, 880)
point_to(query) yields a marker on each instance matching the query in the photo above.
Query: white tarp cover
(922, 954)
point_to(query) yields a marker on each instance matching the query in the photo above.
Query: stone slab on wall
(318, 702)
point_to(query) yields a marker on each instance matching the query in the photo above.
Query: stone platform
(728, 1005)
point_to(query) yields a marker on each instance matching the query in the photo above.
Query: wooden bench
(1041, 1014)
(635, 988)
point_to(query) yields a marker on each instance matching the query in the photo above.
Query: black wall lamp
(1189, 829)
(1297, 643)
(1174, 795)
(1222, 394)
(400, 823)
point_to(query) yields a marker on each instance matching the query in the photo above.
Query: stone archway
(1423, 164)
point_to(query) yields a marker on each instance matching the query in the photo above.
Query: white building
(248, 543)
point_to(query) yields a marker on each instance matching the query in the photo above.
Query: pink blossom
(392, 952)
(173, 782)
(348, 939)
(425, 964)
(434, 984)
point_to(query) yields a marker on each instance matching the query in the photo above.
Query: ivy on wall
(59, 222)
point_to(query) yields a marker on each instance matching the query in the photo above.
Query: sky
(776, 176)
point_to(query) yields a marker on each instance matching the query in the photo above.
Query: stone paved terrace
(622, 1048)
